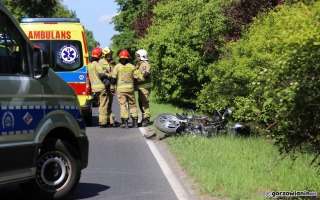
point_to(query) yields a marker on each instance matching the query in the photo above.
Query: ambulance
(64, 40)
(43, 141)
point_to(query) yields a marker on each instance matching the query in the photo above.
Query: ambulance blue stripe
(75, 76)
(24, 119)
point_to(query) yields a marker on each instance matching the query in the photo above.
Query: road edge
(174, 181)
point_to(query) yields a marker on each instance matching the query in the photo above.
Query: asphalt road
(121, 166)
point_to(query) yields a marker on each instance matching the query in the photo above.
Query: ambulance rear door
(64, 40)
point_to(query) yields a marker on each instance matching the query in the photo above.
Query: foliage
(63, 11)
(91, 42)
(176, 42)
(143, 19)
(241, 13)
(122, 23)
(46, 9)
(182, 42)
(38, 8)
(271, 77)
(132, 23)
(31, 8)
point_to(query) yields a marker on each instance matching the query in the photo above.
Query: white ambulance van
(43, 141)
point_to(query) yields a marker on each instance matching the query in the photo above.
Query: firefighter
(123, 81)
(143, 85)
(95, 57)
(108, 64)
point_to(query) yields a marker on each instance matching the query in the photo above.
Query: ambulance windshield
(66, 55)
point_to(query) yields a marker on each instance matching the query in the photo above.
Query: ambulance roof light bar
(28, 20)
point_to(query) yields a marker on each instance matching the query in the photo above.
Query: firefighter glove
(106, 82)
(146, 74)
(113, 81)
(102, 76)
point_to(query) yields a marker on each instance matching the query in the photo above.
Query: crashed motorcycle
(188, 123)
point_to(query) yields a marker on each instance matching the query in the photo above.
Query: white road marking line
(172, 179)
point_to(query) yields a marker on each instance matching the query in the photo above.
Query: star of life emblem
(68, 54)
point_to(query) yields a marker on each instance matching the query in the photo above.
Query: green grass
(239, 168)
(242, 168)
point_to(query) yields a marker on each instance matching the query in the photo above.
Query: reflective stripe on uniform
(134, 115)
(97, 86)
(100, 67)
(103, 117)
(124, 85)
(96, 83)
(90, 66)
(124, 116)
(145, 85)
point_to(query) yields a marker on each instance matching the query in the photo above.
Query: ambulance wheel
(88, 119)
(57, 172)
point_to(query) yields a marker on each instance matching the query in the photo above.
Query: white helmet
(106, 51)
(143, 54)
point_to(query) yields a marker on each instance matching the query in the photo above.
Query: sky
(95, 16)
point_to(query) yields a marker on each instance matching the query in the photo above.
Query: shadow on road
(88, 190)
(12, 192)
(95, 121)
(83, 191)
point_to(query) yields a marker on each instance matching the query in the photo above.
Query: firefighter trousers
(103, 107)
(143, 99)
(109, 100)
(124, 99)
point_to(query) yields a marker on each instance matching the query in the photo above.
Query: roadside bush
(271, 77)
(176, 43)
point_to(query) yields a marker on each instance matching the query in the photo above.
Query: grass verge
(239, 168)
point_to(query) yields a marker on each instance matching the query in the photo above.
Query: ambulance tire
(57, 172)
(88, 119)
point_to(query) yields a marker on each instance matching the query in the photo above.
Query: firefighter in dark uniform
(123, 81)
(95, 57)
(108, 64)
(143, 85)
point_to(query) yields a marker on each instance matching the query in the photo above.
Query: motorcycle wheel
(167, 123)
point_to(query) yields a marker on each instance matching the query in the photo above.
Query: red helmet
(124, 54)
(96, 53)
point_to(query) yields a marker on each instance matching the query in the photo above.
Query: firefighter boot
(124, 123)
(135, 122)
(115, 123)
(145, 122)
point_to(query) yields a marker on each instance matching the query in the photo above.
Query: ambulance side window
(67, 55)
(13, 50)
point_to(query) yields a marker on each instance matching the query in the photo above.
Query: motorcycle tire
(167, 123)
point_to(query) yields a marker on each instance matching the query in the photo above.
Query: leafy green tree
(91, 42)
(62, 11)
(122, 23)
(241, 14)
(271, 78)
(177, 43)
(46, 9)
(132, 23)
(31, 8)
